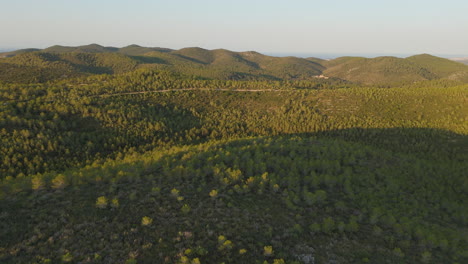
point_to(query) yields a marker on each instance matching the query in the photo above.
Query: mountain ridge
(230, 65)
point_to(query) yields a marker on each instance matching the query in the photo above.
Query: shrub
(227, 244)
(426, 257)
(279, 261)
(352, 226)
(221, 239)
(341, 226)
(276, 188)
(297, 229)
(155, 190)
(67, 257)
(315, 228)
(443, 244)
(115, 203)
(101, 202)
(377, 231)
(328, 225)
(268, 251)
(201, 251)
(146, 221)
(213, 193)
(186, 209)
(37, 183)
(397, 252)
(320, 196)
(175, 193)
(59, 182)
(132, 196)
(131, 261)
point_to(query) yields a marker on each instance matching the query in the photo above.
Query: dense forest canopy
(61, 62)
(153, 155)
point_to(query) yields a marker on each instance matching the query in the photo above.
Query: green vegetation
(60, 62)
(395, 71)
(133, 157)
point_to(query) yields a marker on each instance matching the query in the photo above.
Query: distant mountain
(462, 60)
(16, 52)
(442, 68)
(213, 64)
(44, 66)
(135, 50)
(132, 50)
(240, 65)
(92, 48)
(392, 70)
(63, 62)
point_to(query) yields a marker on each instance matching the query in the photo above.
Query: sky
(268, 26)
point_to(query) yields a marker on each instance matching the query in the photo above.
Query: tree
(328, 225)
(59, 182)
(101, 202)
(213, 193)
(268, 251)
(37, 182)
(146, 221)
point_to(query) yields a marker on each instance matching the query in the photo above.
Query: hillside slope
(212, 64)
(44, 66)
(64, 62)
(285, 198)
(392, 70)
(442, 68)
(151, 162)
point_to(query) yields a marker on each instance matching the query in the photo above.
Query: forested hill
(341, 175)
(150, 155)
(392, 70)
(61, 62)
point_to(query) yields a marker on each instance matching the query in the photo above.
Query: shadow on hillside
(431, 145)
(191, 59)
(243, 76)
(428, 143)
(424, 142)
(426, 199)
(85, 64)
(74, 140)
(149, 60)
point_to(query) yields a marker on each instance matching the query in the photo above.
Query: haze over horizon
(320, 55)
(271, 27)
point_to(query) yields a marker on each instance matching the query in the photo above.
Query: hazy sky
(293, 26)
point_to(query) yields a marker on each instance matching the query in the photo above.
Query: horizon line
(299, 54)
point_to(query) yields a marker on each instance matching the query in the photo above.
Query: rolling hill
(213, 64)
(64, 62)
(16, 52)
(45, 66)
(149, 155)
(357, 175)
(392, 70)
(442, 68)
(133, 50)
(292, 199)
